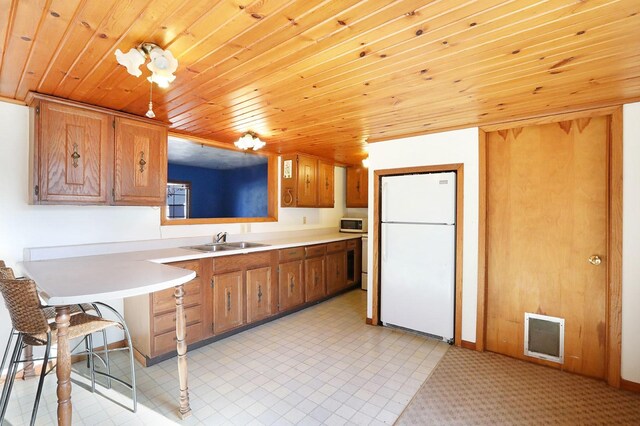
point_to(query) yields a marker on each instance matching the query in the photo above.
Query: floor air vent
(544, 337)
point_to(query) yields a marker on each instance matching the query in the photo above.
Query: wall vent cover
(544, 337)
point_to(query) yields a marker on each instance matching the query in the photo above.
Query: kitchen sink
(211, 247)
(214, 247)
(244, 245)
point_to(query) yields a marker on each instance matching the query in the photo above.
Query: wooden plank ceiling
(325, 76)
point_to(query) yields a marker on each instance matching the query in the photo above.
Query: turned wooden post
(28, 371)
(63, 366)
(181, 345)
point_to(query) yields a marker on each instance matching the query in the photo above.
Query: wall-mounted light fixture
(249, 140)
(162, 65)
(365, 162)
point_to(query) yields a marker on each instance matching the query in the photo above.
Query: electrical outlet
(304, 220)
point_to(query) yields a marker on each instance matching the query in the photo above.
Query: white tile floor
(323, 365)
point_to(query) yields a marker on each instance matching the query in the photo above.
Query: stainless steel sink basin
(214, 247)
(211, 247)
(245, 245)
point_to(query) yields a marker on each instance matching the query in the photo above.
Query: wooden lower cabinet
(239, 290)
(314, 279)
(290, 285)
(151, 318)
(336, 272)
(228, 301)
(259, 300)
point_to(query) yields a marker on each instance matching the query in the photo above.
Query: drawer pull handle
(142, 162)
(259, 293)
(75, 156)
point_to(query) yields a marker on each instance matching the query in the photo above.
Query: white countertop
(112, 276)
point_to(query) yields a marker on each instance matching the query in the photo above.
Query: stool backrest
(23, 304)
(6, 273)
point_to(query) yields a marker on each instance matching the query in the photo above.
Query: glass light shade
(365, 162)
(249, 140)
(132, 60)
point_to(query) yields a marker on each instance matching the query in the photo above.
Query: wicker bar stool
(50, 313)
(30, 323)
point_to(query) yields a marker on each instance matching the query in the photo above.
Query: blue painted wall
(224, 193)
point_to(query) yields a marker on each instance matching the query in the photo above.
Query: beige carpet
(473, 388)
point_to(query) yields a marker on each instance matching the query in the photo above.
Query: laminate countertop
(73, 280)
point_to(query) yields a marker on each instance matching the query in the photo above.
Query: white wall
(459, 146)
(23, 225)
(631, 244)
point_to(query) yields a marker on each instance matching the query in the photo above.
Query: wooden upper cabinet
(89, 155)
(306, 181)
(325, 184)
(357, 187)
(72, 155)
(140, 163)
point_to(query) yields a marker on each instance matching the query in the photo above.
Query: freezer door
(418, 277)
(425, 198)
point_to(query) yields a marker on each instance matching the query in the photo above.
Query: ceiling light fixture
(162, 65)
(249, 140)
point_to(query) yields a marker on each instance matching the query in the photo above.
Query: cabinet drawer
(164, 301)
(192, 265)
(241, 261)
(315, 251)
(294, 253)
(337, 246)
(351, 244)
(167, 322)
(166, 342)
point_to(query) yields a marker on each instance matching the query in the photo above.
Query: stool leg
(133, 370)
(11, 373)
(105, 346)
(92, 366)
(43, 373)
(6, 351)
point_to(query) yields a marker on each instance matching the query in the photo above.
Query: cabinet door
(72, 155)
(336, 272)
(290, 285)
(325, 184)
(228, 301)
(357, 187)
(259, 301)
(307, 181)
(314, 279)
(140, 163)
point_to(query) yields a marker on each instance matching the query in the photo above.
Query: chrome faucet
(221, 237)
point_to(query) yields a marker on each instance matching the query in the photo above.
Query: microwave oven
(353, 224)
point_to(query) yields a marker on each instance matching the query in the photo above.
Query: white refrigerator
(418, 253)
